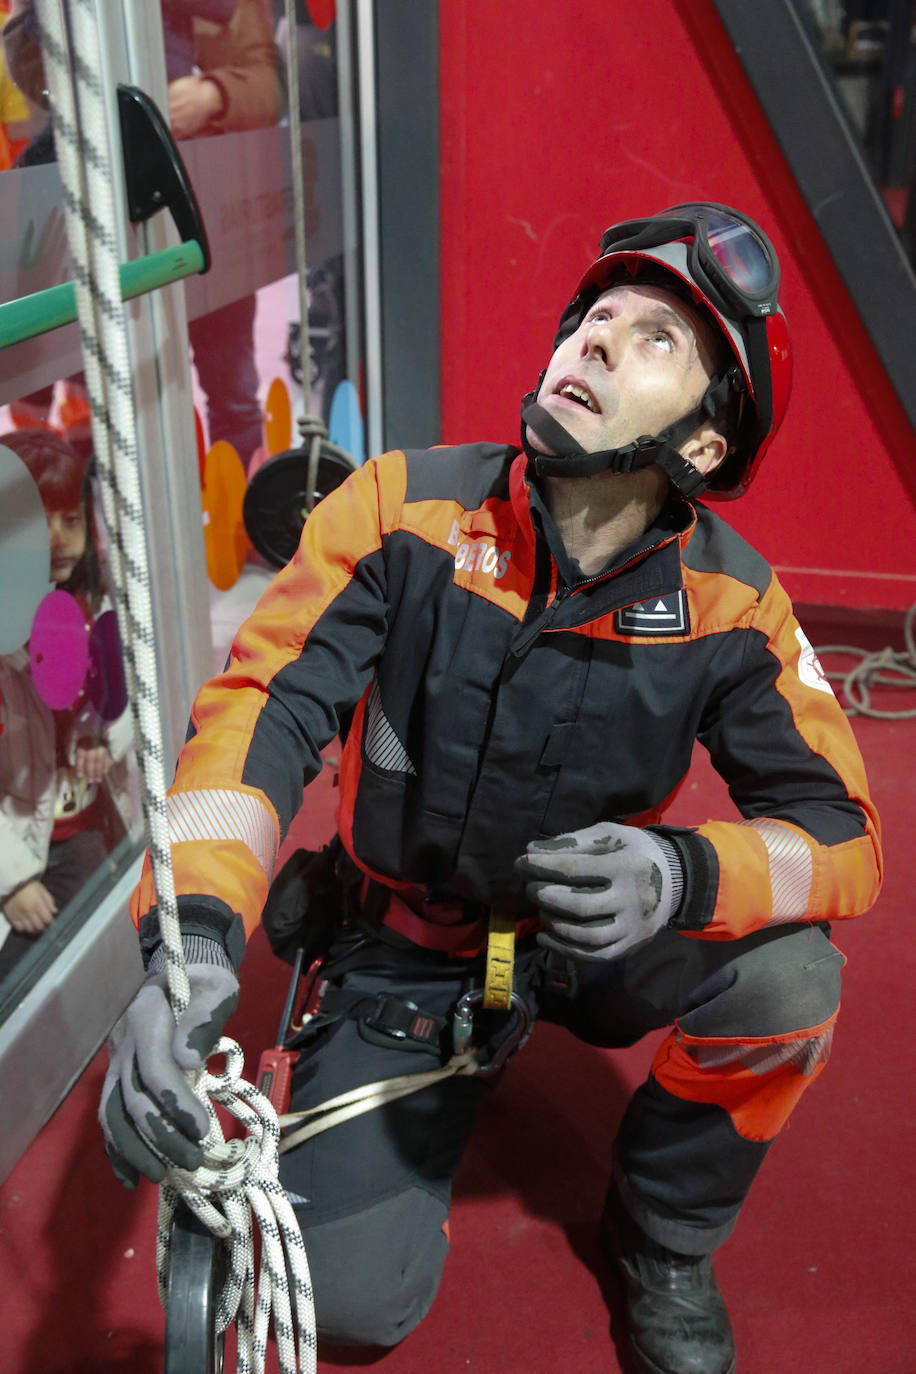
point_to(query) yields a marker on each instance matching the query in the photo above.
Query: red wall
(557, 120)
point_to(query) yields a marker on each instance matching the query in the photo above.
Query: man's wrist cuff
(204, 916)
(675, 868)
(700, 867)
(198, 949)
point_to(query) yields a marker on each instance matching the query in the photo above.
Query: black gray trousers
(751, 1024)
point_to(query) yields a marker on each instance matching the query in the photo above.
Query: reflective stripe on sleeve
(222, 814)
(791, 869)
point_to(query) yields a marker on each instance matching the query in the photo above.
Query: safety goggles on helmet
(731, 260)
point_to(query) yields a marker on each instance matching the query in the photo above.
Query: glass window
(69, 814)
(236, 382)
(255, 369)
(25, 130)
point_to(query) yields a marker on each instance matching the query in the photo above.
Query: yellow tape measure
(497, 987)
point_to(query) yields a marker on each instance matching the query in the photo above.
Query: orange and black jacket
(495, 695)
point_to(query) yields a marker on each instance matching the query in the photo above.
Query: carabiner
(463, 1025)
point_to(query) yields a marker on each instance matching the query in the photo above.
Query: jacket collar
(676, 520)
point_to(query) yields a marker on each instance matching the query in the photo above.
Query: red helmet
(724, 264)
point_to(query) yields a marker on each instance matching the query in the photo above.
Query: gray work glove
(602, 891)
(146, 1090)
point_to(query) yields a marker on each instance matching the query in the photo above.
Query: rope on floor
(884, 668)
(239, 1177)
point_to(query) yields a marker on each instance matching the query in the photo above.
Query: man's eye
(662, 339)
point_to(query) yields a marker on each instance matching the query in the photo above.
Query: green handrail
(44, 310)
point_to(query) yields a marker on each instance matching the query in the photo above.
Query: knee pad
(777, 982)
(375, 1273)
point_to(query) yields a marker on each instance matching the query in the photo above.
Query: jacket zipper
(544, 621)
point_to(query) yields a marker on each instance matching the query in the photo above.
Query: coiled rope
(238, 1177)
(885, 668)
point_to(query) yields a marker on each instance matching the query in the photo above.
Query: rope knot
(312, 427)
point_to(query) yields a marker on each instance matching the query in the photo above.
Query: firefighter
(526, 642)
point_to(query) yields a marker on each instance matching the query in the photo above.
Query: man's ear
(706, 449)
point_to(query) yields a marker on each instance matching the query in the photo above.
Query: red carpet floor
(818, 1274)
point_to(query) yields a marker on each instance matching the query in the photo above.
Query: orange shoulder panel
(344, 528)
(225, 835)
(486, 544)
(717, 601)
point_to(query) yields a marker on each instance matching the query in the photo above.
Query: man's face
(639, 360)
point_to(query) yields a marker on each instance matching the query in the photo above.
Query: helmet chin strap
(569, 459)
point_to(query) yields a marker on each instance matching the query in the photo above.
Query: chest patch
(659, 615)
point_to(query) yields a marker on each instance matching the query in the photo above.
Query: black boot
(677, 1317)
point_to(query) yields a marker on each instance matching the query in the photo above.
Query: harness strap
(497, 987)
(365, 1099)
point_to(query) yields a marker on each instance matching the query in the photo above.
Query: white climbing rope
(238, 1177)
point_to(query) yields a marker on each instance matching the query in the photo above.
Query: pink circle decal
(59, 650)
(106, 685)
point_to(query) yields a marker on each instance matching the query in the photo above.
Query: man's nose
(604, 341)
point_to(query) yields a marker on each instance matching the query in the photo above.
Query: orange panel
(225, 541)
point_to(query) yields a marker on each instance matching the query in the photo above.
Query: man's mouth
(573, 392)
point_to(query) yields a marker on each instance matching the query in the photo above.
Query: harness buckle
(397, 1018)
